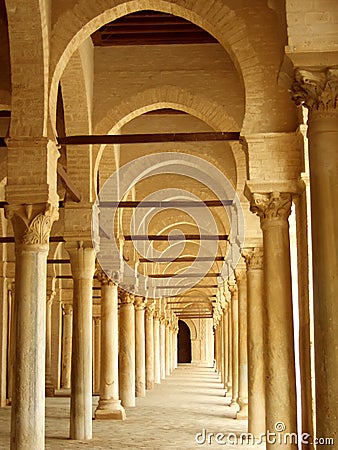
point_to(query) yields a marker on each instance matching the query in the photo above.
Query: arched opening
(184, 343)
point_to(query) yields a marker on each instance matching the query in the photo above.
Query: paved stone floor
(169, 417)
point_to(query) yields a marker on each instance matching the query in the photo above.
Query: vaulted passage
(184, 343)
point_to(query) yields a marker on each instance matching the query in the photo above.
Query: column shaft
(97, 354)
(323, 159)
(140, 366)
(149, 347)
(162, 348)
(82, 260)
(66, 345)
(109, 406)
(226, 347)
(49, 387)
(127, 349)
(229, 387)
(167, 349)
(243, 344)
(157, 349)
(31, 224)
(256, 390)
(280, 384)
(234, 344)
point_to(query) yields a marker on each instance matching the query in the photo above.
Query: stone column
(140, 363)
(280, 384)
(49, 386)
(175, 333)
(150, 346)
(32, 225)
(229, 384)
(82, 260)
(241, 281)
(162, 346)
(67, 310)
(234, 343)
(256, 392)
(226, 346)
(167, 348)
(171, 349)
(97, 354)
(157, 348)
(127, 349)
(109, 406)
(317, 90)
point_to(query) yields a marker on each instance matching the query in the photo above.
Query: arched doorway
(184, 343)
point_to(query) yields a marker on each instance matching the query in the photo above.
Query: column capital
(139, 302)
(232, 288)
(82, 259)
(32, 223)
(125, 297)
(103, 278)
(316, 89)
(272, 205)
(97, 320)
(67, 309)
(150, 310)
(240, 273)
(253, 258)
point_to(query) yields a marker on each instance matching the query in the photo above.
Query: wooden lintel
(178, 237)
(58, 261)
(183, 259)
(71, 189)
(148, 138)
(166, 204)
(11, 239)
(202, 286)
(182, 275)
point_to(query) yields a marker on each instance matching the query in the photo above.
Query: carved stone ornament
(32, 223)
(139, 302)
(125, 296)
(253, 258)
(103, 277)
(274, 205)
(150, 311)
(317, 90)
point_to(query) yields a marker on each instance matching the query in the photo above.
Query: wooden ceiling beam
(166, 204)
(148, 138)
(188, 275)
(183, 259)
(178, 237)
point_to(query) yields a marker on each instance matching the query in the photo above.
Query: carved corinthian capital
(125, 296)
(317, 90)
(104, 278)
(32, 223)
(274, 205)
(253, 258)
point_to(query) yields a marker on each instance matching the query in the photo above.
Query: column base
(242, 415)
(110, 410)
(234, 404)
(49, 391)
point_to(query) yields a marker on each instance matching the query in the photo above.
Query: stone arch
(28, 22)
(192, 327)
(73, 27)
(168, 96)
